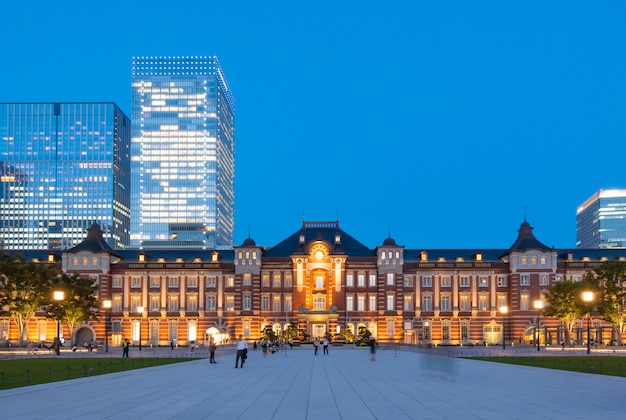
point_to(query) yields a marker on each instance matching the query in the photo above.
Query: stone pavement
(343, 385)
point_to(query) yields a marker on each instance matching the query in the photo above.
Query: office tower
(182, 165)
(601, 220)
(64, 167)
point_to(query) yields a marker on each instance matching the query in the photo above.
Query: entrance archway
(84, 335)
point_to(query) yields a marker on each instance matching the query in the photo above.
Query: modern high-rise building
(183, 163)
(601, 220)
(64, 166)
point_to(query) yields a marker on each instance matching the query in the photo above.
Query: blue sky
(440, 122)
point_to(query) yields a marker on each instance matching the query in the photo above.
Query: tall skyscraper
(64, 166)
(183, 163)
(601, 220)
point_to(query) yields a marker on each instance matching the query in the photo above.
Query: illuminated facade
(182, 154)
(326, 282)
(601, 220)
(64, 167)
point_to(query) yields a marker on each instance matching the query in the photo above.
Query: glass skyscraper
(183, 165)
(64, 166)
(601, 220)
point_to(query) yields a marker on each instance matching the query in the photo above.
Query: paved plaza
(345, 384)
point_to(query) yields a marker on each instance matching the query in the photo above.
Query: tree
(290, 332)
(26, 286)
(564, 303)
(364, 336)
(268, 334)
(611, 299)
(80, 301)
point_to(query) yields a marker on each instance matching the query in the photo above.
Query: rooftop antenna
(248, 231)
(524, 213)
(389, 231)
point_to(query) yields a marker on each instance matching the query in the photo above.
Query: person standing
(212, 348)
(125, 347)
(264, 347)
(242, 350)
(373, 348)
(325, 344)
(316, 345)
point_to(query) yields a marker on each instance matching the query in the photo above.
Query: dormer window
(441, 259)
(337, 238)
(50, 258)
(302, 238)
(479, 256)
(180, 260)
(197, 260)
(423, 256)
(214, 256)
(161, 260)
(142, 258)
(459, 259)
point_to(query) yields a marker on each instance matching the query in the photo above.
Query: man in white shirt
(242, 350)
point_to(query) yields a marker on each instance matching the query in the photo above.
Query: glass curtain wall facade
(64, 167)
(182, 167)
(601, 220)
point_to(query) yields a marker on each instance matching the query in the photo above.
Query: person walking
(373, 348)
(125, 347)
(325, 344)
(242, 350)
(212, 348)
(316, 345)
(264, 347)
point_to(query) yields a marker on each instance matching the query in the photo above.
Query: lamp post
(588, 298)
(106, 304)
(58, 296)
(538, 306)
(503, 311)
(140, 310)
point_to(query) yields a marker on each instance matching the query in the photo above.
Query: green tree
(564, 303)
(268, 334)
(26, 286)
(611, 299)
(364, 336)
(79, 304)
(290, 333)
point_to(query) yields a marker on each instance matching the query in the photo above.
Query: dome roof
(249, 242)
(389, 242)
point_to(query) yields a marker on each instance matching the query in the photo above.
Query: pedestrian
(125, 347)
(254, 345)
(316, 345)
(562, 345)
(325, 346)
(242, 351)
(172, 344)
(373, 348)
(212, 348)
(264, 347)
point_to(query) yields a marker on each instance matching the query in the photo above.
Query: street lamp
(538, 306)
(588, 298)
(140, 310)
(58, 296)
(503, 311)
(106, 304)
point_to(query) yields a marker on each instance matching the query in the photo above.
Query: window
(445, 281)
(577, 279)
(464, 305)
(172, 281)
(276, 280)
(288, 303)
(524, 260)
(373, 280)
(502, 281)
(230, 303)
(372, 299)
(192, 282)
(117, 304)
(524, 302)
(319, 302)
(192, 303)
(427, 281)
(427, 303)
(135, 282)
(533, 260)
(288, 280)
(349, 280)
(230, 281)
(464, 281)
(408, 281)
(391, 279)
(360, 302)
(544, 280)
(319, 282)
(483, 281)
(390, 302)
(265, 280)
(445, 302)
(543, 260)
(464, 330)
(408, 302)
(445, 330)
(524, 280)
(361, 280)
(135, 302)
(210, 303)
(276, 303)
(558, 278)
(247, 279)
(482, 303)
(265, 303)
(426, 330)
(502, 301)
(117, 281)
(155, 282)
(154, 303)
(172, 303)
(211, 282)
(247, 302)
(350, 303)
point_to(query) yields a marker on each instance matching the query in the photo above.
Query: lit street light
(503, 311)
(106, 304)
(140, 310)
(58, 296)
(588, 298)
(538, 306)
